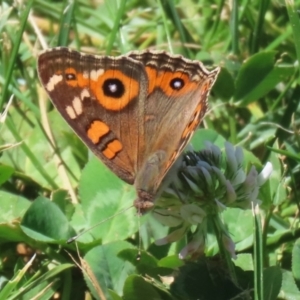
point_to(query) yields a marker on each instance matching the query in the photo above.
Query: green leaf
(171, 261)
(253, 72)
(44, 221)
(289, 289)
(206, 135)
(296, 262)
(103, 195)
(62, 199)
(5, 173)
(13, 208)
(109, 270)
(272, 284)
(258, 75)
(240, 225)
(144, 265)
(224, 87)
(44, 153)
(244, 261)
(136, 288)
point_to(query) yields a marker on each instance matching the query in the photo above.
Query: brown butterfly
(136, 112)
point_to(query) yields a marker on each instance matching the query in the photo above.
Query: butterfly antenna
(75, 237)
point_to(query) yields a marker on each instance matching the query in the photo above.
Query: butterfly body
(136, 112)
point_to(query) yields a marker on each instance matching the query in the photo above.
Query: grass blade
(295, 24)
(13, 56)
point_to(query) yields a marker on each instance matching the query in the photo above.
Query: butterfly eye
(177, 83)
(113, 88)
(70, 76)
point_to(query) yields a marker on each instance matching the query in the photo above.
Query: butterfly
(136, 112)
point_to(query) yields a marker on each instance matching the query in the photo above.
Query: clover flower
(207, 183)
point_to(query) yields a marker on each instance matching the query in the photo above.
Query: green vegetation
(52, 188)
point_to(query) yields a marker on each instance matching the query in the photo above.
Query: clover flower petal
(192, 213)
(230, 192)
(167, 217)
(229, 245)
(232, 164)
(195, 247)
(265, 174)
(175, 235)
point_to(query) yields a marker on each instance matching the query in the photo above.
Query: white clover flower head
(207, 183)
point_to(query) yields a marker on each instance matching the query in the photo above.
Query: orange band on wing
(131, 87)
(97, 130)
(131, 90)
(194, 122)
(205, 87)
(152, 76)
(112, 149)
(163, 80)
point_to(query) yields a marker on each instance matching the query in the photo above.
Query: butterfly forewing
(98, 96)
